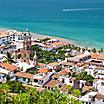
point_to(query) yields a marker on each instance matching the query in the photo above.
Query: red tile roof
(67, 63)
(63, 72)
(97, 56)
(8, 66)
(52, 83)
(41, 64)
(23, 52)
(24, 75)
(43, 70)
(99, 96)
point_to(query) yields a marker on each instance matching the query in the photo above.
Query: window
(23, 79)
(70, 81)
(42, 81)
(35, 80)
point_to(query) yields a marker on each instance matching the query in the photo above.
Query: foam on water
(81, 9)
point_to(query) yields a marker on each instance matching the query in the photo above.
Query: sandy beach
(42, 36)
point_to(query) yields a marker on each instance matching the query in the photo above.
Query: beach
(42, 36)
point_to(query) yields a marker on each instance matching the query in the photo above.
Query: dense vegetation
(48, 56)
(15, 93)
(85, 76)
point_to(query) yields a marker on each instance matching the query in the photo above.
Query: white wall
(99, 86)
(99, 101)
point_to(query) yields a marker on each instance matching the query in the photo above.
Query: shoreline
(41, 36)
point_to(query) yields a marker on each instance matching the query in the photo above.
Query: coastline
(42, 36)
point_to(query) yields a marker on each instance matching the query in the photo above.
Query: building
(7, 70)
(89, 98)
(99, 99)
(52, 84)
(80, 58)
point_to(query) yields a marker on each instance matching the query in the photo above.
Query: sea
(81, 21)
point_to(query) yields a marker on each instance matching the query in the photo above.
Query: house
(99, 99)
(86, 89)
(90, 70)
(33, 79)
(2, 77)
(23, 77)
(39, 79)
(67, 64)
(53, 65)
(42, 77)
(95, 62)
(97, 56)
(99, 85)
(7, 70)
(99, 72)
(62, 76)
(41, 65)
(9, 67)
(51, 45)
(4, 48)
(24, 66)
(65, 89)
(7, 36)
(88, 98)
(52, 84)
(43, 70)
(80, 58)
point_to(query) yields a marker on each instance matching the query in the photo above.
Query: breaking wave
(81, 9)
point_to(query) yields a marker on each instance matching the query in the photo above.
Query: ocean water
(78, 20)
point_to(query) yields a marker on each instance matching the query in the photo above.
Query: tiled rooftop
(63, 72)
(43, 70)
(24, 75)
(52, 83)
(8, 66)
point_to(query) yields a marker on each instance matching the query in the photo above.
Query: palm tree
(94, 50)
(9, 58)
(102, 50)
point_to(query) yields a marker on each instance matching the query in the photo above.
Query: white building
(88, 98)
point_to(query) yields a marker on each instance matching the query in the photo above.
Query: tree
(74, 74)
(94, 50)
(83, 49)
(4, 89)
(76, 93)
(68, 88)
(16, 87)
(102, 50)
(31, 96)
(9, 58)
(22, 98)
(85, 76)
